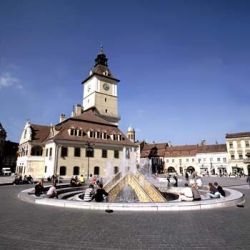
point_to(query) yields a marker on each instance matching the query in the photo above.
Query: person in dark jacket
(220, 189)
(100, 194)
(39, 189)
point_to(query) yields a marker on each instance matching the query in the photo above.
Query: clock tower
(100, 90)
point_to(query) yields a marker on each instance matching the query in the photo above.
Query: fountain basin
(232, 199)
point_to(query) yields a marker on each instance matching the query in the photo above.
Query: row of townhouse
(223, 159)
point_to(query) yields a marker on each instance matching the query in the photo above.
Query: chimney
(78, 109)
(62, 117)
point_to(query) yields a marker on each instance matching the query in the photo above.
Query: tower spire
(101, 49)
(101, 58)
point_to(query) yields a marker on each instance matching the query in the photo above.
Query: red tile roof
(39, 132)
(88, 121)
(182, 150)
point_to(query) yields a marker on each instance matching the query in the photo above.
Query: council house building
(88, 142)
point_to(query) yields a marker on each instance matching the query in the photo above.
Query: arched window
(76, 170)
(116, 170)
(62, 170)
(96, 170)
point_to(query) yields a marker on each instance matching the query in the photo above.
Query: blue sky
(184, 65)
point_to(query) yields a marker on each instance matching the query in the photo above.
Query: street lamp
(89, 153)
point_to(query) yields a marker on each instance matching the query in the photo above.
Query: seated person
(82, 180)
(73, 182)
(100, 194)
(196, 194)
(89, 193)
(186, 194)
(25, 180)
(78, 183)
(199, 182)
(30, 179)
(39, 189)
(213, 192)
(220, 189)
(52, 193)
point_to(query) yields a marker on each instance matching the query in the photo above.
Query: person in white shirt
(52, 193)
(89, 192)
(186, 194)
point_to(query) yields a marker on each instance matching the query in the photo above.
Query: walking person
(248, 180)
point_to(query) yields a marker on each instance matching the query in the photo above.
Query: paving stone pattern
(29, 226)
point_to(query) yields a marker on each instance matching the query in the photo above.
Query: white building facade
(238, 148)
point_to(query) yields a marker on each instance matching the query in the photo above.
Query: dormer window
(104, 135)
(91, 133)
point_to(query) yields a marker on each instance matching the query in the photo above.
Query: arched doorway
(62, 170)
(76, 170)
(171, 170)
(116, 170)
(96, 170)
(190, 169)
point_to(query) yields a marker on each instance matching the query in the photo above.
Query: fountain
(127, 194)
(133, 189)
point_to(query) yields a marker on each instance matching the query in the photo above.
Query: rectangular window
(230, 145)
(167, 161)
(64, 151)
(172, 160)
(104, 153)
(50, 151)
(218, 159)
(89, 152)
(232, 157)
(240, 156)
(247, 143)
(192, 159)
(199, 160)
(180, 160)
(77, 152)
(224, 159)
(47, 150)
(116, 154)
(187, 160)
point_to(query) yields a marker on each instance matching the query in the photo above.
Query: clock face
(105, 86)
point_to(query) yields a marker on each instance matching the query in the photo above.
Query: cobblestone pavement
(24, 225)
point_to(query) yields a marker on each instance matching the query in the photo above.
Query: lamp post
(89, 153)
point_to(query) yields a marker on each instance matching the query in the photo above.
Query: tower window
(106, 111)
(105, 99)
